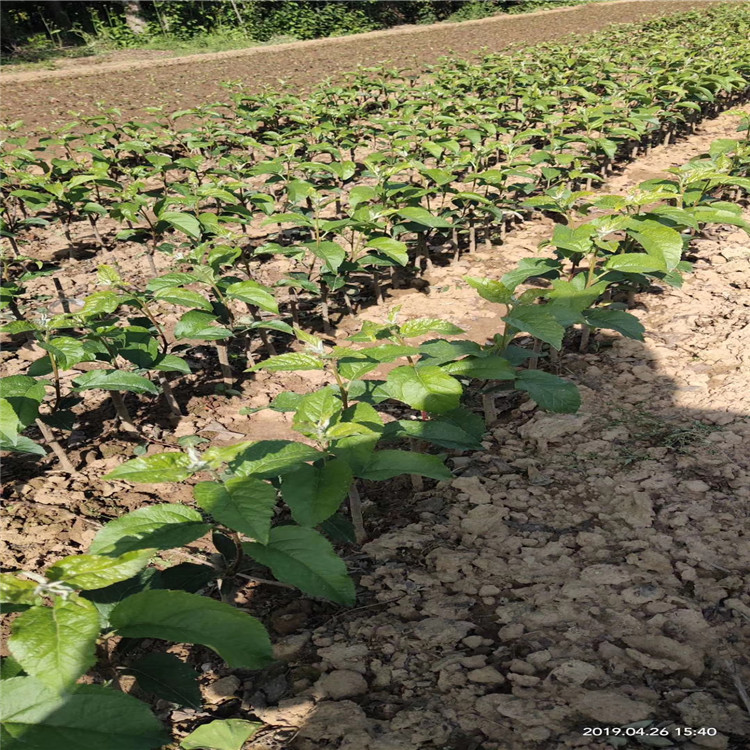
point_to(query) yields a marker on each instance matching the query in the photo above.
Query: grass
(47, 58)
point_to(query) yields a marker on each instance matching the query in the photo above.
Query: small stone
(521, 667)
(474, 662)
(473, 641)
(609, 707)
(222, 689)
(293, 712)
(341, 656)
(524, 680)
(671, 655)
(718, 741)
(576, 672)
(605, 574)
(694, 485)
(486, 676)
(290, 647)
(342, 683)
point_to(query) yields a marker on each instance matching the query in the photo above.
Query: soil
(44, 98)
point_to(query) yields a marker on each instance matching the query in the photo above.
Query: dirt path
(41, 99)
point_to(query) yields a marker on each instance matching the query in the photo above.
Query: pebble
(222, 689)
(486, 676)
(341, 683)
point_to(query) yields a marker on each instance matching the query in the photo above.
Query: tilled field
(580, 571)
(44, 98)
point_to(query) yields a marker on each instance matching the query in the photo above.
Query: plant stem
(226, 369)
(57, 449)
(489, 408)
(123, 413)
(174, 407)
(355, 510)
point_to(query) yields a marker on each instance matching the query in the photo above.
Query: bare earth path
(42, 98)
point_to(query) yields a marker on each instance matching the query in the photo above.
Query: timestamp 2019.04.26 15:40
(672, 730)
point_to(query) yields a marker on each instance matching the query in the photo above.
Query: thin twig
(267, 581)
(738, 684)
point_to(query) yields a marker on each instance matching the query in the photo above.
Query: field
(408, 413)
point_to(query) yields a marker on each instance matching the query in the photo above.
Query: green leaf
(19, 443)
(458, 430)
(305, 559)
(221, 734)
(422, 217)
(253, 293)
(529, 268)
(185, 223)
(393, 249)
(171, 363)
(426, 388)
(200, 325)
(115, 380)
(616, 320)
(98, 571)
(185, 297)
(18, 592)
(188, 618)
(154, 527)
(167, 677)
(290, 361)
(714, 215)
(633, 263)
(92, 718)
(315, 411)
(361, 194)
(100, 303)
(538, 322)
(440, 351)
(315, 493)
(489, 367)
(331, 253)
(170, 280)
(392, 463)
(550, 392)
(421, 326)
(574, 240)
(244, 504)
(9, 668)
(24, 394)
(67, 351)
(272, 458)
(56, 644)
(161, 467)
(491, 290)
(662, 243)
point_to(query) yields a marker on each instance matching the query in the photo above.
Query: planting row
(273, 503)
